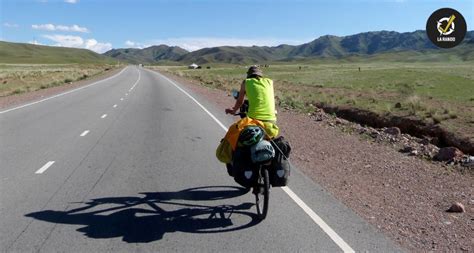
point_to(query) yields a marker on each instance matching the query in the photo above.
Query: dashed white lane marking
(126, 94)
(138, 80)
(62, 94)
(45, 167)
(320, 222)
(85, 133)
(115, 106)
(103, 116)
(121, 99)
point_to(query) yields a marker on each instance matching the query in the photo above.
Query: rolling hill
(28, 53)
(147, 55)
(358, 45)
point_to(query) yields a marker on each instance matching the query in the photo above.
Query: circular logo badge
(446, 28)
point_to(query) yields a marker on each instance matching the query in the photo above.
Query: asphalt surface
(80, 175)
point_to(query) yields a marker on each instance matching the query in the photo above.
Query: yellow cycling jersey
(259, 92)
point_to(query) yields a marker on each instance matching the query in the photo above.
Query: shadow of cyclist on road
(142, 219)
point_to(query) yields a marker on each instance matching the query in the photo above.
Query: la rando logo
(446, 28)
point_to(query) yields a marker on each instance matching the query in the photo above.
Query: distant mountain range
(328, 46)
(147, 55)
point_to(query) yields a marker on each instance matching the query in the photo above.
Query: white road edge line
(192, 98)
(103, 116)
(45, 167)
(115, 106)
(320, 222)
(85, 133)
(62, 94)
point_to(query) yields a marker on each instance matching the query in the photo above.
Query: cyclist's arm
(240, 99)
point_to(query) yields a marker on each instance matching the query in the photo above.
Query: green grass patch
(435, 91)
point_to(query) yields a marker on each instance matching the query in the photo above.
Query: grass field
(20, 78)
(23, 53)
(436, 92)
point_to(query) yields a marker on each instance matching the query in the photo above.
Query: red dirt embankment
(439, 136)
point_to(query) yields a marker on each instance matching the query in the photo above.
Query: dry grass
(21, 78)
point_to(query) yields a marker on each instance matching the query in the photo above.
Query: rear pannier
(243, 170)
(279, 171)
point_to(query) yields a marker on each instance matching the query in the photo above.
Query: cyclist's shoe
(258, 189)
(229, 169)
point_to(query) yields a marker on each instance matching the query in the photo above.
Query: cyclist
(260, 94)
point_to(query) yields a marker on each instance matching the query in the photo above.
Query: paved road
(127, 164)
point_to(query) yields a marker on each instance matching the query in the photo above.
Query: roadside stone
(430, 150)
(448, 154)
(406, 149)
(425, 141)
(414, 152)
(456, 208)
(374, 133)
(393, 131)
(468, 161)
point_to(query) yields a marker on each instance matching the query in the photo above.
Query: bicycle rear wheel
(262, 193)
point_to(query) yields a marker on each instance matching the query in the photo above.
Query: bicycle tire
(264, 181)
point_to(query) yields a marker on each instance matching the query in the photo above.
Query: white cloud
(134, 44)
(66, 40)
(71, 1)
(192, 44)
(48, 27)
(129, 43)
(79, 42)
(96, 46)
(35, 42)
(10, 25)
(64, 28)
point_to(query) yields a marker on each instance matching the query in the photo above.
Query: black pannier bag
(279, 170)
(282, 145)
(243, 170)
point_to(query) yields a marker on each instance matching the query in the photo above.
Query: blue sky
(100, 25)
